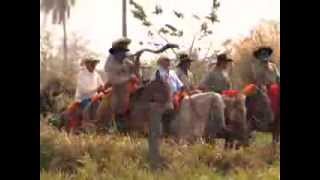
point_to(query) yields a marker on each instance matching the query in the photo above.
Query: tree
(60, 11)
(124, 18)
(169, 30)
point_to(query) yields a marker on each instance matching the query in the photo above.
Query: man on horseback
(265, 73)
(267, 77)
(169, 75)
(89, 81)
(218, 79)
(120, 70)
(183, 71)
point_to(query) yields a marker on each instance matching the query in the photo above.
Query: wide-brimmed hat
(223, 57)
(89, 60)
(263, 53)
(121, 43)
(183, 57)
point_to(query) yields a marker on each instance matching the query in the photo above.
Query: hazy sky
(99, 21)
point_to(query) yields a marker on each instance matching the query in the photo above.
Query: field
(119, 157)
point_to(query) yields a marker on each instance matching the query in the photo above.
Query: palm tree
(60, 10)
(124, 18)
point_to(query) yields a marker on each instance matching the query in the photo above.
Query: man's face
(165, 63)
(91, 66)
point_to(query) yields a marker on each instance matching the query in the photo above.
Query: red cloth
(230, 93)
(177, 99)
(133, 84)
(73, 119)
(274, 95)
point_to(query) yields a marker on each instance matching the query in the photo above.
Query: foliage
(60, 9)
(267, 33)
(93, 156)
(57, 84)
(169, 30)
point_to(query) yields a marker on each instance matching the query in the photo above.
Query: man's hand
(100, 88)
(107, 85)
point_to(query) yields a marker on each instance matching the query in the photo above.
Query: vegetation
(99, 156)
(60, 11)
(266, 33)
(93, 157)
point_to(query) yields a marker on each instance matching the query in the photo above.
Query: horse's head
(259, 109)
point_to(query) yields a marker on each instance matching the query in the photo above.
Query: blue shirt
(172, 79)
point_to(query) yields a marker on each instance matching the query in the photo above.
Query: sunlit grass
(93, 156)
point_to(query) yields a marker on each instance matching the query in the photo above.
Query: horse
(263, 111)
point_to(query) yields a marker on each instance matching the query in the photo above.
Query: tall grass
(93, 156)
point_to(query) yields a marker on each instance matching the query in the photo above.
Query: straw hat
(88, 60)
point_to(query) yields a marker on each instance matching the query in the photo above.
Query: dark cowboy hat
(121, 43)
(263, 53)
(223, 57)
(183, 57)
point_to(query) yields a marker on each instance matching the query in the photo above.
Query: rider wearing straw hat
(89, 81)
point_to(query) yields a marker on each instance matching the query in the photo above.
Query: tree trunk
(65, 46)
(124, 18)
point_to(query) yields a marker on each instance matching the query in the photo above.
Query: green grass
(104, 157)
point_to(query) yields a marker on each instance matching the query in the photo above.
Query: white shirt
(87, 84)
(171, 78)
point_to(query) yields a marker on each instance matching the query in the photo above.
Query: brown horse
(261, 115)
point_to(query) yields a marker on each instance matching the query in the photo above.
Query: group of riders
(123, 79)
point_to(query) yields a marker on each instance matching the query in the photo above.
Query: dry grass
(265, 34)
(92, 156)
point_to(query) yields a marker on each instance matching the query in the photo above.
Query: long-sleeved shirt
(87, 84)
(217, 80)
(265, 75)
(172, 79)
(118, 68)
(186, 79)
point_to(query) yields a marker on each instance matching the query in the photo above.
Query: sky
(100, 21)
